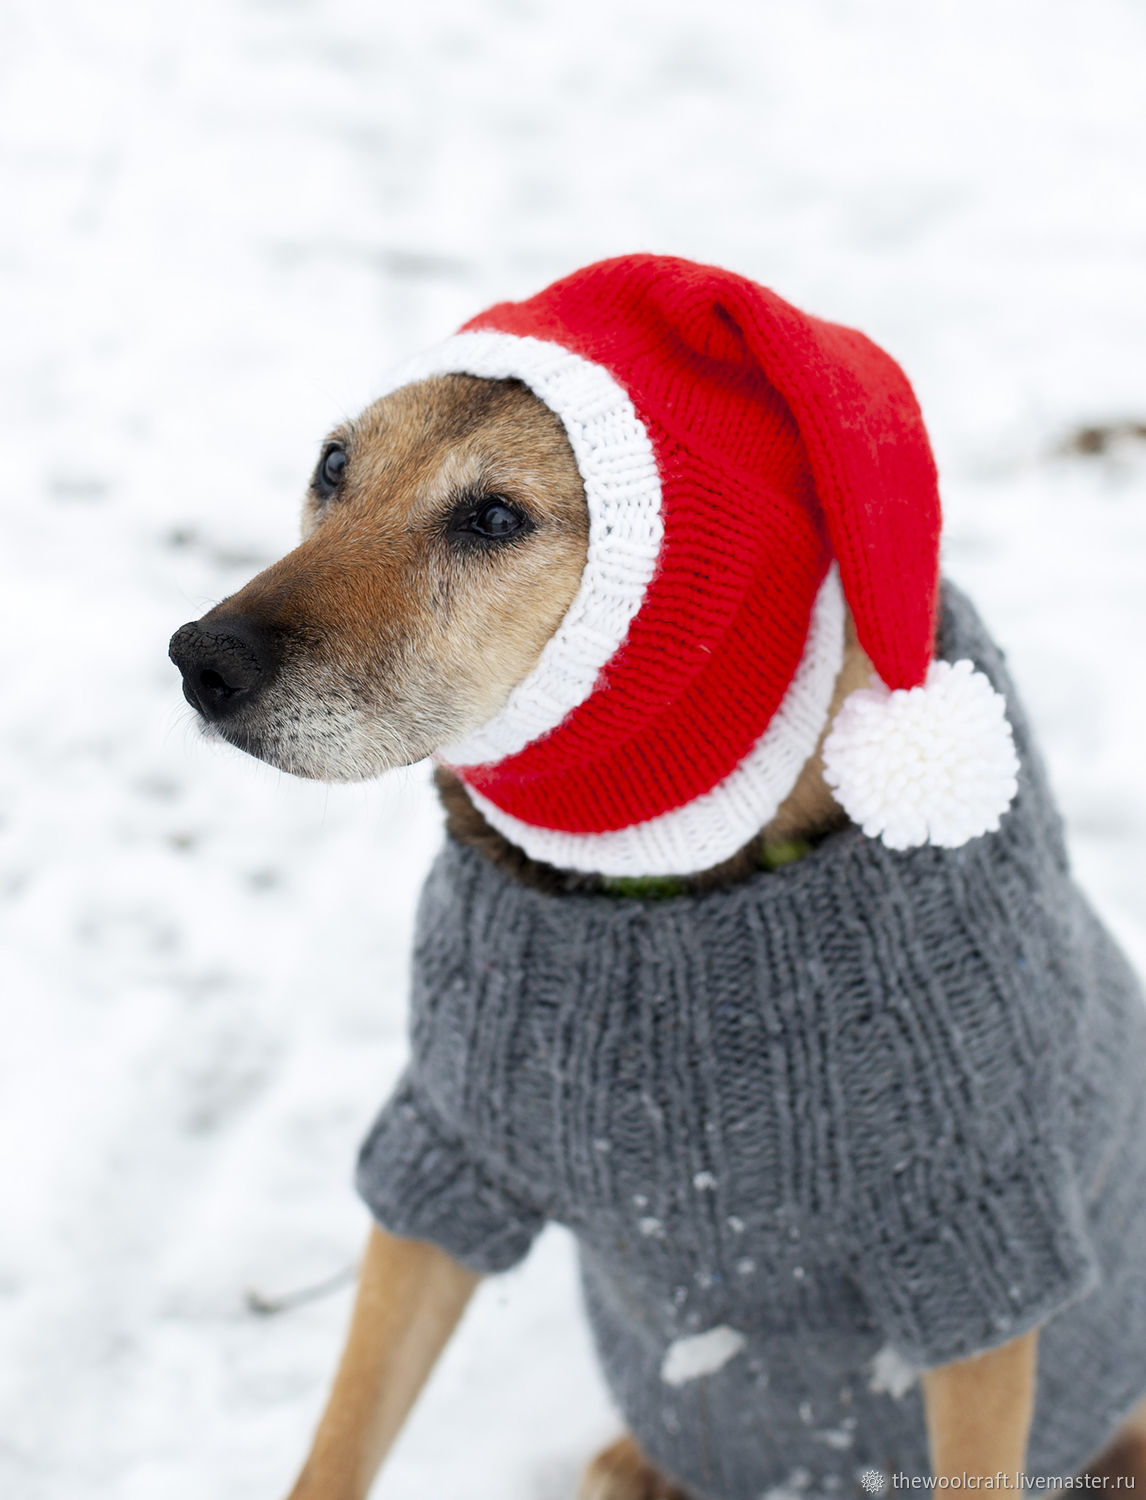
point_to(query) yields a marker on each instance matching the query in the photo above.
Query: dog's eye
(493, 520)
(331, 471)
(497, 520)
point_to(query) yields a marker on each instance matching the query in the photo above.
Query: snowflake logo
(874, 1481)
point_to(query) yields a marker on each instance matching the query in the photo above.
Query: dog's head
(597, 552)
(444, 536)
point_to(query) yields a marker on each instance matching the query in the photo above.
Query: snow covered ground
(219, 223)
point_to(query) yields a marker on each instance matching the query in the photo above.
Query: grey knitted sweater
(869, 1112)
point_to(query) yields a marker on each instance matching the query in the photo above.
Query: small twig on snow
(258, 1302)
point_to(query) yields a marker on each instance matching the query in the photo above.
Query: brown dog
(445, 533)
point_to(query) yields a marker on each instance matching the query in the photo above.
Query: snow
(891, 1374)
(221, 223)
(700, 1354)
(838, 1437)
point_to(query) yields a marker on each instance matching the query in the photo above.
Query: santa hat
(747, 469)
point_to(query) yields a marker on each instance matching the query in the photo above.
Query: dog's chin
(318, 752)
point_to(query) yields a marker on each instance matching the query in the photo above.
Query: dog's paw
(622, 1472)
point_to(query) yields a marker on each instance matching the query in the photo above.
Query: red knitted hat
(743, 463)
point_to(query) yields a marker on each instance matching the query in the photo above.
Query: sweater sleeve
(418, 1180)
(1005, 1249)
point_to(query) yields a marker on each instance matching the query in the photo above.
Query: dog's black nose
(224, 665)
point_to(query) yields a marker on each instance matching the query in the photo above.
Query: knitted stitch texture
(875, 1107)
(731, 446)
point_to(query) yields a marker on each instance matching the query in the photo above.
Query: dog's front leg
(979, 1411)
(410, 1297)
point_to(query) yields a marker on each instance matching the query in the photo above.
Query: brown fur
(394, 639)
(622, 1472)
(1122, 1464)
(410, 1297)
(979, 1411)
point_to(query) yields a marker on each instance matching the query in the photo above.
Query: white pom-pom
(932, 764)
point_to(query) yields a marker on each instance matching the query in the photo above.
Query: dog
(447, 537)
